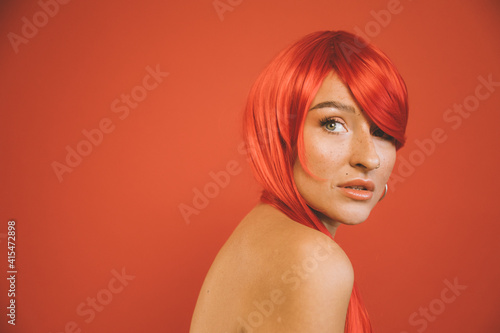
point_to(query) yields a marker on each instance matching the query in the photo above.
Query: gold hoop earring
(385, 192)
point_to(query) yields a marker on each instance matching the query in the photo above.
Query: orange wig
(277, 106)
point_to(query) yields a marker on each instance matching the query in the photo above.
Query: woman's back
(275, 275)
(321, 127)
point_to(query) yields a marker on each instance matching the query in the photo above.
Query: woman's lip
(356, 194)
(366, 183)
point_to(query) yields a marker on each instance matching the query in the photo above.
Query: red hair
(277, 106)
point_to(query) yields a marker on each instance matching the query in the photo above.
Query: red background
(120, 206)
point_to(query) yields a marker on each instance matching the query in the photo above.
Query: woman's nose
(363, 151)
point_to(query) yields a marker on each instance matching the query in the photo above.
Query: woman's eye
(381, 134)
(333, 125)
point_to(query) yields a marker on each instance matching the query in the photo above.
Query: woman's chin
(347, 218)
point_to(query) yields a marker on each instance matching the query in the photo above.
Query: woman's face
(344, 148)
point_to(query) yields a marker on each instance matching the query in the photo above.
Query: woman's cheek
(322, 157)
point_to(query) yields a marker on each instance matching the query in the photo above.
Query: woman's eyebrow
(333, 104)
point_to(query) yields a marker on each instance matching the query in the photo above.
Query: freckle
(208, 291)
(346, 173)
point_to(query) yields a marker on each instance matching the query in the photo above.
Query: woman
(322, 126)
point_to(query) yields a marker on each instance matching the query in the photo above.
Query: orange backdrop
(120, 118)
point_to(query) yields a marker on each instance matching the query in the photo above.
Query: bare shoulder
(291, 242)
(320, 284)
(275, 275)
(310, 271)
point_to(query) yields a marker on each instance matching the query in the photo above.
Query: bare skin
(349, 146)
(283, 267)
(276, 275)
